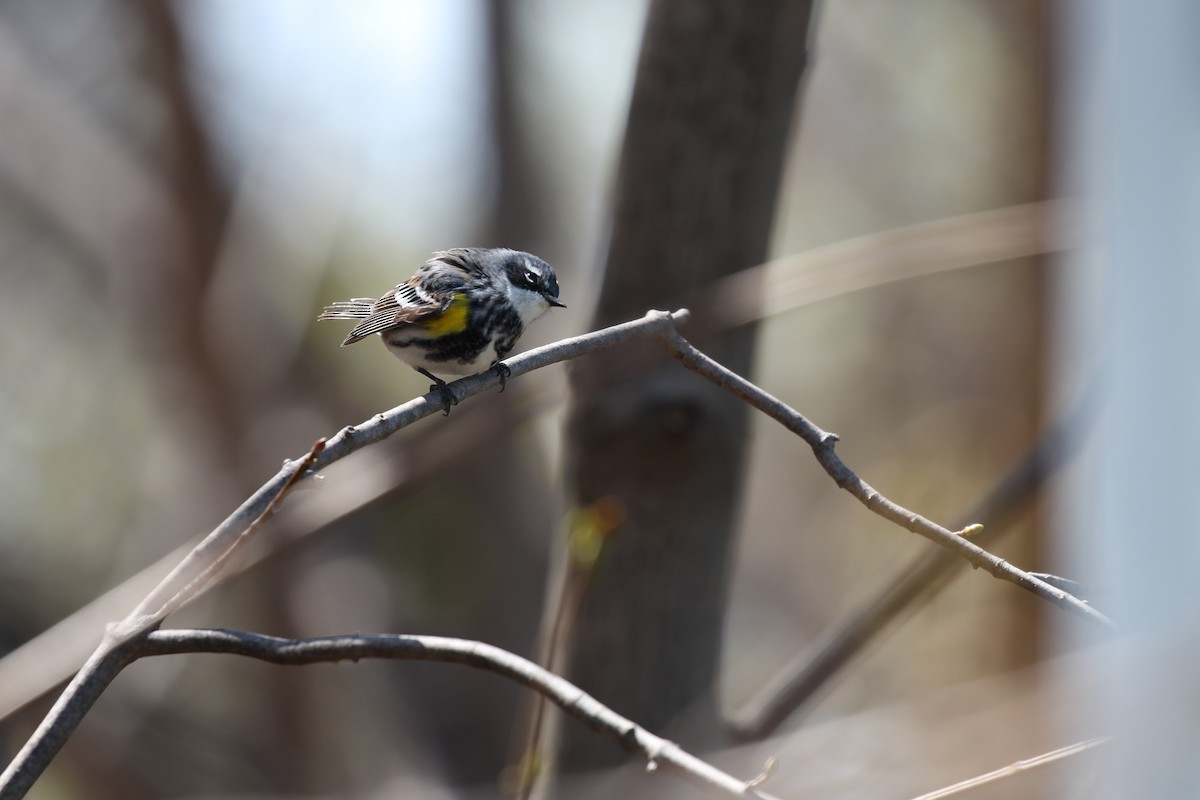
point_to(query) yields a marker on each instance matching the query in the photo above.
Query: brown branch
(107, 660)
(657, 752)
(822, 443)
(920, 578)
(355, 437)
(856, 264)
(216, 569)
(72, 704)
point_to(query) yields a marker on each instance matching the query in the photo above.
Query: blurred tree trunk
(695, 199)
(200, 203)
(517, 215)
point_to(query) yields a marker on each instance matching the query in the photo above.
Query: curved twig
(658, 752)
(822, 443)
(205, 560)
(155, 607)
(922, 577)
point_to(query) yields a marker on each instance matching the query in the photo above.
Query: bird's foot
(449, 400)
(503, 372)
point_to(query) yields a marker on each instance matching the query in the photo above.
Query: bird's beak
(554, 301)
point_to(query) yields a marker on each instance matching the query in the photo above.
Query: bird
(461, 313)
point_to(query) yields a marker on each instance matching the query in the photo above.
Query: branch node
(822, 442)
(653, 753)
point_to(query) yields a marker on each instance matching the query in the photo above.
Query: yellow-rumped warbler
(463, 311)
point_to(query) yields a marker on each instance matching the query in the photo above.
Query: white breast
(529, 305)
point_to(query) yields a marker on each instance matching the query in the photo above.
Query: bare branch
(885, 257)
(93, 679)
(822, 443)
(203, 565)
(60, 722)
(217, 568)
(920, 578)
(1013, 769)
(153, 609)
(50, 658)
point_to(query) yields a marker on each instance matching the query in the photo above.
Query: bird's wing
(403, 305)
(422, 298)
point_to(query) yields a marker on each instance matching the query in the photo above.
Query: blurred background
(183, 186)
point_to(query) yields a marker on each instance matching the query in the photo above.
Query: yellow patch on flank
(452, 320)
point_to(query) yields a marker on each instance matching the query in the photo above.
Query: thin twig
(923, 576)
(822, 443)
(886, 257)
(355, 437)
(60, 722)
(98, 670)
(1013, 769)
(856, 264)
(216, 569)
(50, 659)
(657, 752)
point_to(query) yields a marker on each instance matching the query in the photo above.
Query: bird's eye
(531, 277)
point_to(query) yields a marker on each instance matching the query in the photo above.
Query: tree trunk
(695, 198)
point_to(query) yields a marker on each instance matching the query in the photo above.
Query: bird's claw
(441, 387)
(504, 374)
(449, 400)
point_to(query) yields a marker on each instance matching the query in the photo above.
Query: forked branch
(128, 639)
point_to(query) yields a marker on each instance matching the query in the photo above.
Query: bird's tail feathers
(359, 308)
(356, 308)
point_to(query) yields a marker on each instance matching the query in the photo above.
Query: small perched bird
(462, 312)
